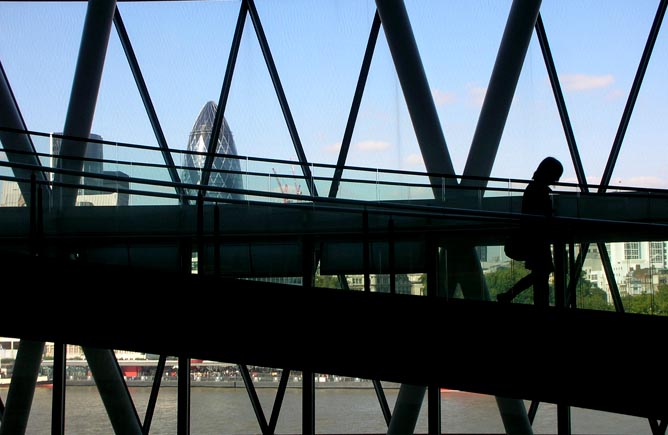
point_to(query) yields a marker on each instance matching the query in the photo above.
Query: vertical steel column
(559, 274)
(563, 419)
(413, 79)
(18, 146)
(561, 301)
(183, 400)
(571, 300)
(22, 387)
(308, 261)
(434, 410)
(308, 403)
(85, 88)
(391, 255)
(366, 261)
(58, 390)
(499, 96)
(216, 240)
(201, 248)
(113, 391)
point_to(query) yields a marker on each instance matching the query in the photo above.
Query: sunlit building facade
(225, 170)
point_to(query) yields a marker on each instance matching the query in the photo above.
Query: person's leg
(541, 290)
(516, 289)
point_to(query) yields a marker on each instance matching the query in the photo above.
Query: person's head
(549, 171)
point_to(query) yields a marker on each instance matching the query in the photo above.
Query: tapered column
(113, 391)
(514, 416)
(22, 388)
(501, 89)
(85, 88)
(406, 409)
(415, 86)
(18, 147)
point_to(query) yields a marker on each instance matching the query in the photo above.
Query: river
(354, 411)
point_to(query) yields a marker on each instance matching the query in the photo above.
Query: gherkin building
(225, 171)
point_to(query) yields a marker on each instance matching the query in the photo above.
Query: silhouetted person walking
(534, 234)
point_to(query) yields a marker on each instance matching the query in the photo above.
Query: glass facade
(92, 161)
(225, 171)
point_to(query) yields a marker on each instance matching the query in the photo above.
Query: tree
(588, 295)
(327, 281)
(661, 300)
(504, 278)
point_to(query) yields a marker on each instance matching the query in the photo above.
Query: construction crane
(285, 188)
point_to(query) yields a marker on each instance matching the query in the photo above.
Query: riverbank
(344, 385)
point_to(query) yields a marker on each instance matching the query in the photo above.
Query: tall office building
(92, 163)
(225, 171)
(95, 191)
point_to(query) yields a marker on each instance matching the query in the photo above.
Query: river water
(338, 411)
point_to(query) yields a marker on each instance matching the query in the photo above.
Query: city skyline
(182, 48)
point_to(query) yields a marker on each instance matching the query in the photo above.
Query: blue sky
(182, 48)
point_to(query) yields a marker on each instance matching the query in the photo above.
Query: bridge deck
(574, 357)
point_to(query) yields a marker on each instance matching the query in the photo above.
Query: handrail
(371, 171)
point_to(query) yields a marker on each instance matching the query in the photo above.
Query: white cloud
(333, 148)
(615, 94)
(584, 82)
(477, 95)
(646, 181)
(442, 98)
(414, 160)
(372, 145)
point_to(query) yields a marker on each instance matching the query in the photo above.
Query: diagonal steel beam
(153, 398)
(502, 84)
(224, 94)
(496, 106)
(355, 106)
(415, 87)
(282, 100)
(278, 401)
(487, 137)
(633, 96)
(465, 265)
(561, 104)
(255, 400)
(113, 390)
(19, 147)
(148, 104)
